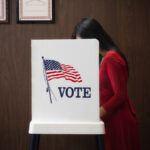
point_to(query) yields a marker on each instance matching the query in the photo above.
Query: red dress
(120, 122)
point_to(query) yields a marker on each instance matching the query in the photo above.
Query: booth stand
(65, 89)
(77, 128)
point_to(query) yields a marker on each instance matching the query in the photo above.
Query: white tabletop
(67, 128)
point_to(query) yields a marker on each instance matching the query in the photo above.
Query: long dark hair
(89, 28)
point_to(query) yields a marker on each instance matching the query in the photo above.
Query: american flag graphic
(56, 70)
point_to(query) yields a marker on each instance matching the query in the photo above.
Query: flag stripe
(72, 74)
(57, 75)
(73, 77)
(65, 78)
(55, 78)
(67, 74)
(74, 80)
(53, 72)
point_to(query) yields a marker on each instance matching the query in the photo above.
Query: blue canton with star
(52, 65)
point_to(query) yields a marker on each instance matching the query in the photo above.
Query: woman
(116, 109)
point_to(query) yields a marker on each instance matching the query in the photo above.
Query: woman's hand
(103, 112)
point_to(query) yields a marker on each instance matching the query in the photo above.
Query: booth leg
(34, 142)
(37, 142)
(100, 142)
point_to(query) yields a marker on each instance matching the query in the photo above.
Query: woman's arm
(118, 78)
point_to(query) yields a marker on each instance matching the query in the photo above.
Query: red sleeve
(116, 73)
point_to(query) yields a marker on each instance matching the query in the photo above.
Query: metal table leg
(100, 142)
(37, 142)
(34, 142)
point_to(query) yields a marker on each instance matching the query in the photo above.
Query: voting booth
(65, 87)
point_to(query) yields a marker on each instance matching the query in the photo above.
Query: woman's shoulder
(114, 57)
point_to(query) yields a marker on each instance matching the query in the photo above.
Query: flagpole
(48, 86)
